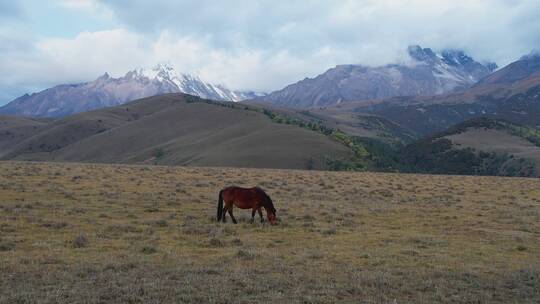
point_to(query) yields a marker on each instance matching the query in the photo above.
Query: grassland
(88, 233)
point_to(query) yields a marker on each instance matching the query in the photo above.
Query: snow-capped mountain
(426, 73)
(107, 91)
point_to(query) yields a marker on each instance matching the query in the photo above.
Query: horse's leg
(260, 214)
(223, 219)
(232, 216)
(253, 210)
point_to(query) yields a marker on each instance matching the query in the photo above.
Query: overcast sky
(245, 44)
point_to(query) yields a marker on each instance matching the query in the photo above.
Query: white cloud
(265, 45)
(93, 53)
(53, 61)
(498, 30)
(90, 7)
(84, 5)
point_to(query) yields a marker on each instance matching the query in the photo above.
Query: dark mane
(268, 201)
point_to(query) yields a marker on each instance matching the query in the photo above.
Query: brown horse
(245, 198)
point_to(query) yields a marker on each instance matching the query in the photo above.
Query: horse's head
(269, 206)
(271, 214)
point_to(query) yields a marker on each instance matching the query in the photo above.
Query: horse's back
(241, 189)
(243, 197)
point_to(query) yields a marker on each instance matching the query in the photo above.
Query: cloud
(52, 61)
(92, 7)
(262, 45)
(80, 4)
(9, 10)
(93, 53)
(47, 62)
(491, 29)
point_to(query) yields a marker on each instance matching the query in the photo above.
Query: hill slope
(481, 146)
(15, 129)
(181, 130)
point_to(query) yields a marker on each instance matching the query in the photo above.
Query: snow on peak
(452, 67)
(166, 75)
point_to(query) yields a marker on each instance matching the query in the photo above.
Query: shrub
(149, 249)
(80, 241)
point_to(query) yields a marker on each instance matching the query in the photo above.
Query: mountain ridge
(511, 93)
(427, 73)
(105, 91)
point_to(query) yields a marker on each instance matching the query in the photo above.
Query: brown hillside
(16, 129)
(177, 129)
(497, 141)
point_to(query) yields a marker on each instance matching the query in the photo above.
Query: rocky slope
(426, 73)
(511, 93)
(107, 91)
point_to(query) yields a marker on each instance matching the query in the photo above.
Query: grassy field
(86, 233)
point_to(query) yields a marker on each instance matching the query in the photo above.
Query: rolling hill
(480, 146)
(352, 124)
(178, 129)
(15, 129)
(172, 129)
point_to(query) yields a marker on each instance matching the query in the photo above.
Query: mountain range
(485, 122)
(511, 93)
(425, 73)
(107, 91)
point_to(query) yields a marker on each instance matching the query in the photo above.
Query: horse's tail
(220, 205)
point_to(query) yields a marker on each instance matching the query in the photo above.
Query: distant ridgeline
(481, 146)
(361, 159)
(437, 154)
(444, 154)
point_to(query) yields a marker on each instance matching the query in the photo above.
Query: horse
(245, 198)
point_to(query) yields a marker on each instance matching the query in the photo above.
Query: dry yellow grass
(85, 233)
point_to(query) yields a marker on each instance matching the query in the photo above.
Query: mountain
(511, 93)
(426, 73)
(107, 91)
(170, 129)
(527, 66)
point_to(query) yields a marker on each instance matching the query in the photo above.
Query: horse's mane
(268, 201)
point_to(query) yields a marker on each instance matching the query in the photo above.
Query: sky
(259, 45)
